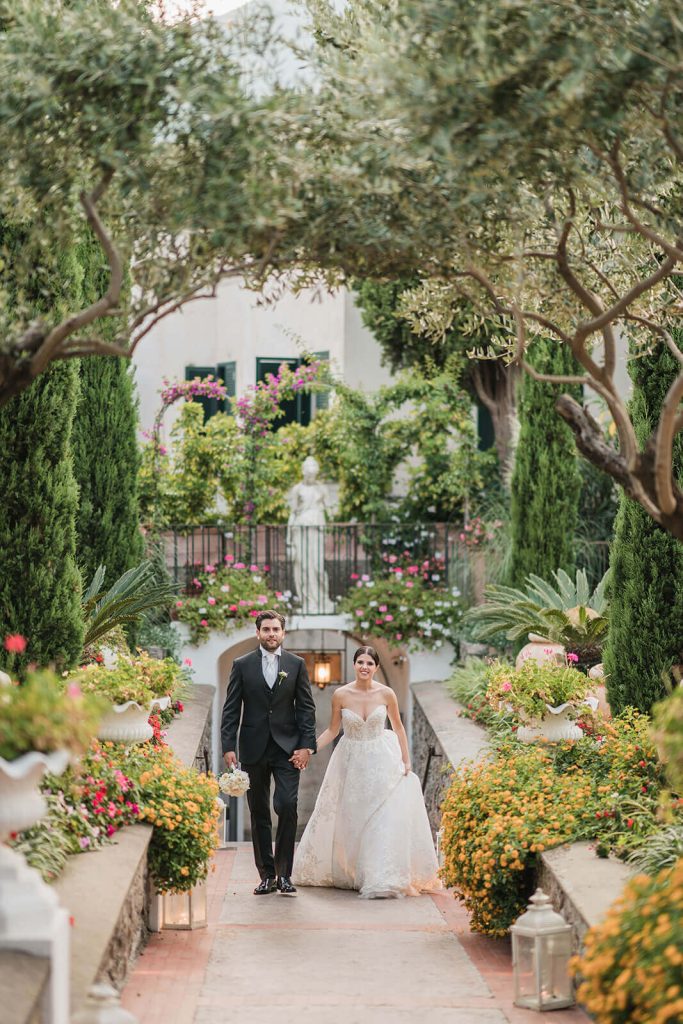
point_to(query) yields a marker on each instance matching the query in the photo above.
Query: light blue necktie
(270, 669)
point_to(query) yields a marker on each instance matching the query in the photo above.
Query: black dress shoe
(285, 886)
(266, 885)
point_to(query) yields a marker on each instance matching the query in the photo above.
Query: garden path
(325, 955)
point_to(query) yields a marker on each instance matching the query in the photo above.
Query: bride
(369, 830)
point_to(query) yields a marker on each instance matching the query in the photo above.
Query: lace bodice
(370, 728)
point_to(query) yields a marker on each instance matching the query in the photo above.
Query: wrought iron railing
(319, 564)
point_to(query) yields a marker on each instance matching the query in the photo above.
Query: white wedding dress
(369, 830)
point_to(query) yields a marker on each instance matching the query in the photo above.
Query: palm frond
(134, 593)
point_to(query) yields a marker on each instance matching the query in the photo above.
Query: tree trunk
(495, 385)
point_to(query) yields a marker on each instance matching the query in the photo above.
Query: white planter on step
(128, 723)
(556, 725)
(31, 919)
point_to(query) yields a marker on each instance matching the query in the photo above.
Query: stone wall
(440, 741)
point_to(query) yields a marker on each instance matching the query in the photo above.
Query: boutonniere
(281, 676)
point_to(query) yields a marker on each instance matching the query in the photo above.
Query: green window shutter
(227, 372)
(209, 405)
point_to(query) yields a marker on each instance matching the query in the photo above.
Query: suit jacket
(287, 712)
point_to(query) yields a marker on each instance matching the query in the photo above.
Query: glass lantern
(184, 910)
(439, 847)
(541, 949)
(221, 823)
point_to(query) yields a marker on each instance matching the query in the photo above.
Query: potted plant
(546, 698)
(42, 723)
(133, 687)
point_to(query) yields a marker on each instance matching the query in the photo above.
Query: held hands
(300, 759)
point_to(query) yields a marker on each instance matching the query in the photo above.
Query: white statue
(309, 502)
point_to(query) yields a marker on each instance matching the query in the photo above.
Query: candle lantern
(221, 823)
(541, 949)
(178, 910)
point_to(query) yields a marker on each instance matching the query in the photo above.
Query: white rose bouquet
(234, 782)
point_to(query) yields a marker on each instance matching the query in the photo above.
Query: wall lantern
(322, 670)
(541, 949)
(221, 824)
(182, 911)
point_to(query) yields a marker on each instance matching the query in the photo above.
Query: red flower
(629, 822)
(15, 643)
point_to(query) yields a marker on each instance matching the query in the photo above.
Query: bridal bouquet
(234, 782)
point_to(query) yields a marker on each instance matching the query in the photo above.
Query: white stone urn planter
(556, 724)
(31, 919)
(128, 723)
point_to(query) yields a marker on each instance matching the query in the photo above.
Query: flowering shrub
(181, 805)
(140, 678)
(223, 598)
(499, 814)
(86, 806)
(43, 714)
(633, 962)
(476, 533)
(411, 604)
(529, 690)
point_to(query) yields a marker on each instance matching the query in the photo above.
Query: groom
(270, 689)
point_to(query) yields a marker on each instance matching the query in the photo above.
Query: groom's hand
(300, 758)
(230, 759)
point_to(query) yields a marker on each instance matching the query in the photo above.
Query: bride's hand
(406, 768)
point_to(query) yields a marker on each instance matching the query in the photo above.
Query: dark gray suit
(274, 723)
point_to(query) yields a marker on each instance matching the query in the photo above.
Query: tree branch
(663, 463)
(54, 339)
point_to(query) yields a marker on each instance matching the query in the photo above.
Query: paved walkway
(325, 956)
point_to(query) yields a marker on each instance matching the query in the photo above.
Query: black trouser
(275, 763)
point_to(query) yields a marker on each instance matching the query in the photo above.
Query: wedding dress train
(369, 830)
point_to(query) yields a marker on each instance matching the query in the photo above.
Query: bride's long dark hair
(371, 653)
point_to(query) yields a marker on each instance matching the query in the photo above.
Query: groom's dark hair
(262, 616)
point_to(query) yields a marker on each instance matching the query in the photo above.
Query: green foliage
(531, 688)
(646, 590)
(545, 486)
(630, 968)
(468, 684)
(568, 614)
(135, 593)
(41, 714)
(140, 679)
(181, 804)
(39, 580)
(226, 597)
(668, 735)
(499, 814)
(410, 604)
(104, 442)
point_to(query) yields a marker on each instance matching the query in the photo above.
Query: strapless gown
(369, 830)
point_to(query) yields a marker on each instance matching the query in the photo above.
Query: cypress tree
(546, 484)
(106, 455)
(646, 585)
(39, 581)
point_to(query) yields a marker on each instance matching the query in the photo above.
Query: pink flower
(243, 603)
(399, 636)
(392, 559)
(573, 658)
(203, 622)
(233, 607)
(110, 830)
(253, 568)
(229, 558)
(378, 622)
(15, 643)
(354, 575)
(365, 577)
(187, 661)
(382, 608)
(84, 842)
(240, 565)
(412, 569)
(209, 568)
(409, 583)
(506, 686)
(179, 604)
(254, 612)
(388, 618)
(266, 568)
(211, 600)
(359, 612)
(73, 690)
